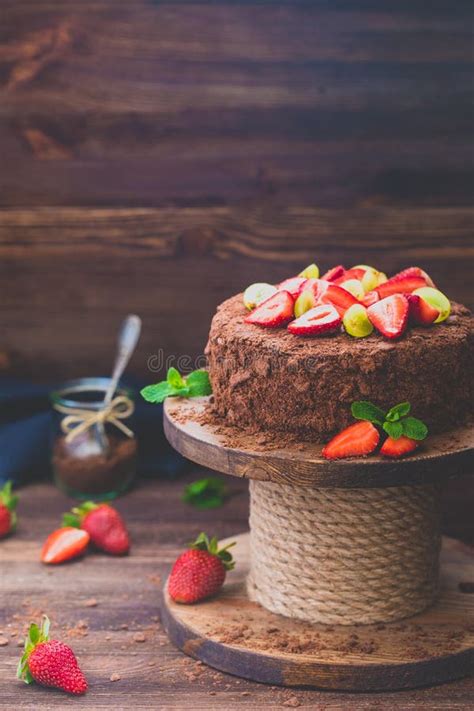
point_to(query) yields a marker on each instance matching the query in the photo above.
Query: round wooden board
(233, 634)
(438, 459)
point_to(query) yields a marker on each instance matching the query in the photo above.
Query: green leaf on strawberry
(35, 636)
(203, 543)
(196, 384)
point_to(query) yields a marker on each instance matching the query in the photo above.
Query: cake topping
(356, 322)
(311, 272)
(273, 312)
(354, 287)
(321, 319)
(362, 286)
(334, 273)
(256, 293)
(310, 295)
(390, 315)
(403, 285)
(420, 311)
(339, 297)
(437, 299)
(294, 285)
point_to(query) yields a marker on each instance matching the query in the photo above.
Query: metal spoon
(126, 343)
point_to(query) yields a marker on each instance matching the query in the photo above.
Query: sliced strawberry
(63, 544)
(310, 296)
(355, 441)
(275, 311)
(420, 311)
(349, 274)
(339, 297)
(317, 288)
(390, 315)
(321, 319)
(404, 285)
(413, 272)
(293, 285)
(398, 447)
(334, 273)
(370, 298)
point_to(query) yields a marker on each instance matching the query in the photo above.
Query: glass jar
(94, 450)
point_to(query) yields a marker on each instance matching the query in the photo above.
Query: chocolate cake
(270, 380)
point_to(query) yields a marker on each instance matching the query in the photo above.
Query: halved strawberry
(402, 285)
(412, 272)
(310, 295)
(293, 285)
(355, 441)
(63, 544)
(339, 297)
(398, 447)
(390, 315)
(321, 319)
(353, 273)
(420, 311)
(370, 298)
(334, 273)
(275, 311)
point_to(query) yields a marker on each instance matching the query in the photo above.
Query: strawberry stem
(203, 543)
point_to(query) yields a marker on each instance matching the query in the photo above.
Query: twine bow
(79, 420)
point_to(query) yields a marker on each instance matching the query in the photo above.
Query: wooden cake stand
(232, 632)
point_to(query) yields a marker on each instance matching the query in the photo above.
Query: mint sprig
(206, 493)
(196, 384)
(395, 423)
(363, 410)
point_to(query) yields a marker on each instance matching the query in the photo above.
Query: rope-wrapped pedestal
(344, 556)
(332, 544)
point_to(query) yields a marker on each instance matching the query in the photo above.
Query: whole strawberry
(105, 526)
(49, 662)
(8, 504)
(200, 571)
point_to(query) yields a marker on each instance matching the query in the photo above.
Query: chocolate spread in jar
(97, 472)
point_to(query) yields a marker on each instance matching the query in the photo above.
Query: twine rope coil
(344, 556)
(79, 420)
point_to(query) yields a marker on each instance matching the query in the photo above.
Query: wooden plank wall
(157, 157)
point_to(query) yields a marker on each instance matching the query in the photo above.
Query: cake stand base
(235, 635)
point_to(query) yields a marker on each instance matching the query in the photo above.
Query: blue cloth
(26, 427)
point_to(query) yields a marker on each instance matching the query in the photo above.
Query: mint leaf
(158, 392)
(398, 411)
(198, 383)
(174, 379)
(414, 428)
(206, 493)
(393, 429)
(363, 410)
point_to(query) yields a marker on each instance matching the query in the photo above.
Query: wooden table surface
(106, 606)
